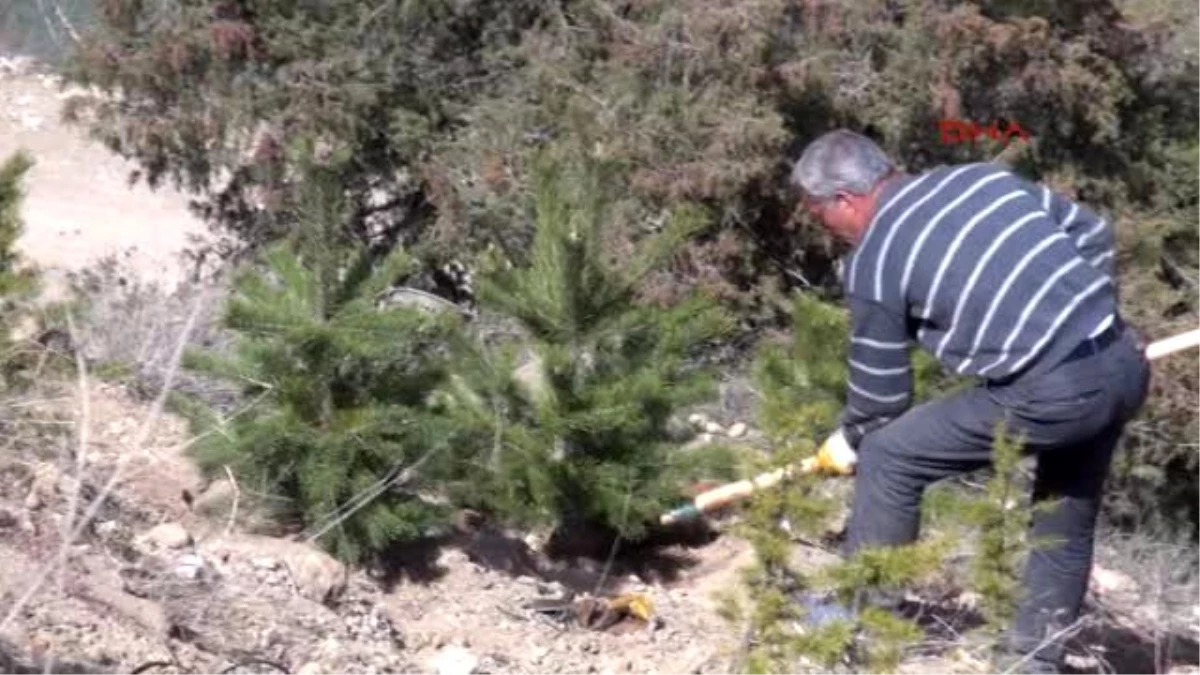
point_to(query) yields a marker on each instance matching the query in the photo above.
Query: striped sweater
(991, 273)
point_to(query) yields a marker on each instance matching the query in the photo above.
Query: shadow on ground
(1117, 649)
(942, 621)
(583, 558)
(412, 562)
(1100, 647)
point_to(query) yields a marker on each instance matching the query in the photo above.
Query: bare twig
(1066, 631)
(66, 23)
(237, 493)
(143, 434)
(1159, 665)
(338, 516)
(612, 554)
(743, 648)
(84, 432)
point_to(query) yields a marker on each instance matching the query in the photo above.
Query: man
(1003, 280)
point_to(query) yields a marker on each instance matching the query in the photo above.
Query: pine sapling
(803, 387)
(592, 445)
(339, 433)
(1002, 516)
(18, 281)
(800, 385)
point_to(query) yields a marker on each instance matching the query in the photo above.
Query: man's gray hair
(840, 161)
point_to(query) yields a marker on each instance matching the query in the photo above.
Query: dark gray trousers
(1071, 417)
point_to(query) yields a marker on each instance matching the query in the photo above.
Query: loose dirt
(79, 206)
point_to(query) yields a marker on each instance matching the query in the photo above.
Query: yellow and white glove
(835, 456)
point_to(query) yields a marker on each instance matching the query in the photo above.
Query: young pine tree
(17, 283)
(339, 425)
(803, 387)
(1001, 517)
(592, 445)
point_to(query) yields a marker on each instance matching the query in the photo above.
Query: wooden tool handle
(726, 494)
(1177, 343)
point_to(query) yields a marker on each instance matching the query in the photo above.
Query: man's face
(843, 215)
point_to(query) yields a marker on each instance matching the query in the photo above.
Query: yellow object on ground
(636, 604)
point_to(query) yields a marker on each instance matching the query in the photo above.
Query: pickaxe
(724, 495)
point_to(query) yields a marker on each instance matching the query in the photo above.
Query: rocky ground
(79, 205)
(173, 575)
(160, 582)
(157, 583)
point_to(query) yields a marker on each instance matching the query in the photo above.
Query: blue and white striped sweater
(992, 274)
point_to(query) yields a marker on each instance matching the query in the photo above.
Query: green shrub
(18, 282)
(592, 444)
(339, 429)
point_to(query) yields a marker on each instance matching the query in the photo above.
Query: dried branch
(71, 536)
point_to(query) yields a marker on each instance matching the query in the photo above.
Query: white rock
(1081, 661)
(539, 654)
(217, 499)
(531, 378)
(454, 660)
(165, 536)
(190, 566)
(318, 576)
(46, 478)
(1110, 581)
(714, 428)
(697, 420)
(534, 541)
(311, 668)
(264, 563)
(737, 430)
(705, 438)
(16, 65)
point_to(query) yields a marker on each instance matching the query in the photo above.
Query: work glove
(835, 456)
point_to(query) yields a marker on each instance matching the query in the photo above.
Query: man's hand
(835, 456)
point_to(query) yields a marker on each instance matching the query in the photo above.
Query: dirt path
(79, 206)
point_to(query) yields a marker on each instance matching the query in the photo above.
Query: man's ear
(851, 200)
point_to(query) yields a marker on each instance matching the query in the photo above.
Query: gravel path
(79, 206)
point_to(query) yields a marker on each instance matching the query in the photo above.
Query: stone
(1105, 581)
(679, 430)
(217, 499)
(165, 536)
(737, 430)
(318, 576)
(697, 420)
(46, 478)
(1082, 662)
(531, 378)
(713, 428)
(190, 566)
(15, 65)
(454, 660)
(311, 668)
